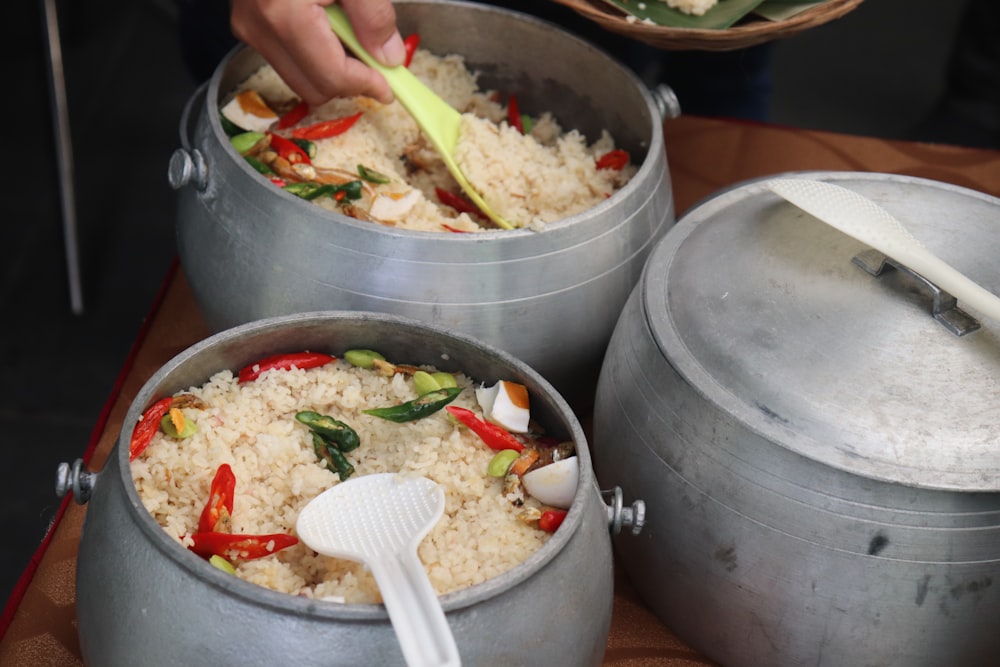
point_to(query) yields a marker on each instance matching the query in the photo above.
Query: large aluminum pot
(143, 599)
(551, 299)
(819, 455)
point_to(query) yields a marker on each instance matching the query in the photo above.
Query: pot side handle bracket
(944, 306)
(619, 516)
(75, 479)
(187, 164)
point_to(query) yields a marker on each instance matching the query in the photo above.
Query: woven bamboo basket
(748, 32)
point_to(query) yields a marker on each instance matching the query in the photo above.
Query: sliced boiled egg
(554, 484)
(394, 206)
(505, 404)
(249, 111)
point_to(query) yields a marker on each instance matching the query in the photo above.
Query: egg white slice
(249, 111)
(506, 404)
(554, 484)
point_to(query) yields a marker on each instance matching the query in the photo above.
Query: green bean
(221, 563)
(425, 383)
(445, 379)
(167, 424)
(501, 462)
(244, 141)
(362, 358)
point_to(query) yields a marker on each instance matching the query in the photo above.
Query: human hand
(294, 36)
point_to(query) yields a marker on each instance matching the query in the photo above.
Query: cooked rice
(695, 7)
(531, 180)
(252, 427)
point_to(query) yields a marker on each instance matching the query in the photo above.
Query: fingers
(374, 23)
(294, 36)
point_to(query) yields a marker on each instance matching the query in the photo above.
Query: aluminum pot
(818, 454)
(143, 598)
(550, 298)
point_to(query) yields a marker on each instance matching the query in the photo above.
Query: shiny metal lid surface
(762, 309)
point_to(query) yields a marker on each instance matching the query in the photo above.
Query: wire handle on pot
(862, 218)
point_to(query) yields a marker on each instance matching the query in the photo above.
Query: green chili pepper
(425, 383)
(333, 458)
(334, 430)
(362, 358)
(229, 127)
(420, 407)
(244, 141)
(371, 175)
(351, 189)
(258, 165)
(308, 146)
(308, 190)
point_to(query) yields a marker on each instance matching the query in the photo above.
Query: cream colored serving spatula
(865, 220)
(438, 119)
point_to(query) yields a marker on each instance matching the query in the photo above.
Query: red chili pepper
(457, 202)
(220, 501)
(234, 546)
(297, 113)
(514, 114)
(495, 437)
(147, 427)
(551, 520)
(288, 149)
(410, 43)
(284, 362)
(615, 159)
(453, 229)
(280, 182)
(327, 128)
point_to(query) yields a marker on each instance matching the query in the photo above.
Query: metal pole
(64, 154)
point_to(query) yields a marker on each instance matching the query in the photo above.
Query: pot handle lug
(619, 516)
(76, 480)
(187, 167)
(944, 306)
(666, 101)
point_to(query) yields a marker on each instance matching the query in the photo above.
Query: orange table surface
(705, 155)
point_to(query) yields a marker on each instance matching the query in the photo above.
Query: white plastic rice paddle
(865, 220)
(379, 520)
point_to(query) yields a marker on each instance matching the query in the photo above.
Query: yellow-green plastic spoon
(438, 119)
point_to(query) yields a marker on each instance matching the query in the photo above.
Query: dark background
(879, 71)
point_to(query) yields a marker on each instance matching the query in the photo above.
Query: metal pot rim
(593, 217)
(256, 594)
(782, 429)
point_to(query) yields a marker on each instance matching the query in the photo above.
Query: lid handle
(944, 306)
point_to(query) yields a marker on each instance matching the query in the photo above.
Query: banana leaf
(780, 10)
(721, 16)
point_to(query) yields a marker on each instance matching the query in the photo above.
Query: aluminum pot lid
(764, 310)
